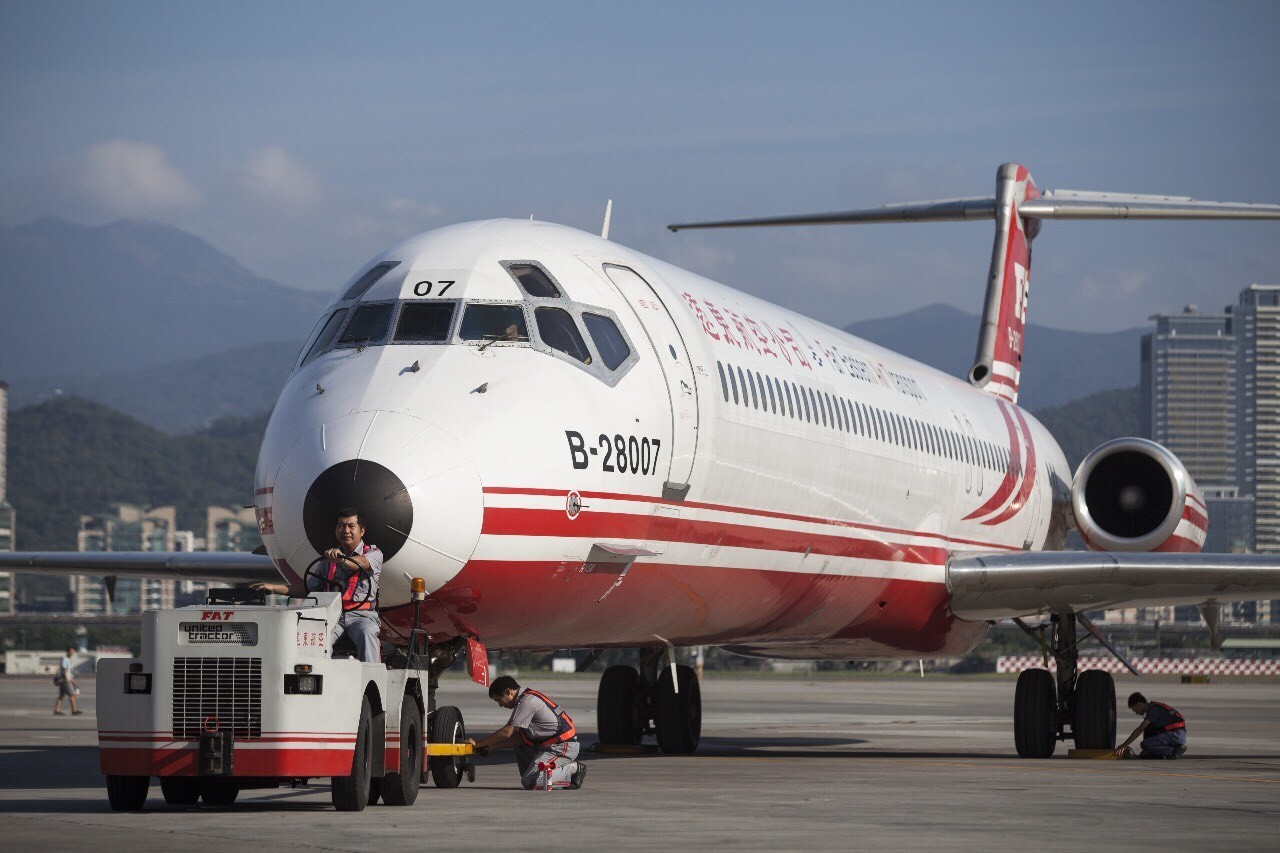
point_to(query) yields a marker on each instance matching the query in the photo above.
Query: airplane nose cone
(374, 490)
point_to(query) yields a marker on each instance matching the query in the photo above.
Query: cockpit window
(327, 334)
(424, 322)
(610, 344)
(494, 323)
(558, 331)
(534, 280)
(368, 325)
(369, 279)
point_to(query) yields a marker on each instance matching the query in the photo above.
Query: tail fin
(1017, 209)
(997, 366)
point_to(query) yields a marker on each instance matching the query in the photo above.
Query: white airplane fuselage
(544, 499)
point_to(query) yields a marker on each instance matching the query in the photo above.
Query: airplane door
(677, 369)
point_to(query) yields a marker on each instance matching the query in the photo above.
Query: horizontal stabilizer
(943, 210)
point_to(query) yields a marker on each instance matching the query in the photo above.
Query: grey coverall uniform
(536, 722)
(362, 627)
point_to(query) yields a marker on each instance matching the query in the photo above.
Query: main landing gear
(1079, 706)
(633, 703)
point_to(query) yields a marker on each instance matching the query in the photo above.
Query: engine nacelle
(1132, 494)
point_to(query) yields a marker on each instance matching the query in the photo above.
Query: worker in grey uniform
(354, 569)
(542, 734)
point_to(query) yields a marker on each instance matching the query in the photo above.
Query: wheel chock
(1096, 754)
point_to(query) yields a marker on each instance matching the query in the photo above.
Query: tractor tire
(350, 793)
(401, 787)
(127, 793)
(180, 790)
(219, 792)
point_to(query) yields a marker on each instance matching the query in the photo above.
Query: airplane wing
(1007, 585)
(229, 566)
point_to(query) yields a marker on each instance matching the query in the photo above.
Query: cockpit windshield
(424, 322)
(493, 323)
(368, 325)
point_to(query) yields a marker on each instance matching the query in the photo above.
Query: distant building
(1211, 394)
(232, 529)
(129, 528)
(8, 516)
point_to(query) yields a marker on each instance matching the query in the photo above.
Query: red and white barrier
(1150, 666)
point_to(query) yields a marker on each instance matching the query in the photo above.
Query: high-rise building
(1211, 394)
(130, 528)
(8, 517)
(1258, 456)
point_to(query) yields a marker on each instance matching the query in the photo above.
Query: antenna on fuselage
(608, 214)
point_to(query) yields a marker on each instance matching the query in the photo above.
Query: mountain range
(156, 322)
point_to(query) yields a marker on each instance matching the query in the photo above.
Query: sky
(304, 138)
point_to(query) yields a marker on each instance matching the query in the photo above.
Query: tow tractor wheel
(678, 715)
(447, 727)
(127, 793)
(1034, 704)
(616, 707)
(180, 790)
(401, 788)
(1095, 723)
(350, 793)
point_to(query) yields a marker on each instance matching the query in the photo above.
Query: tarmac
(785, 764)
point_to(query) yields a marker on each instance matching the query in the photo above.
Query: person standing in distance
(542, 734)
(66, 683)
(356, 569)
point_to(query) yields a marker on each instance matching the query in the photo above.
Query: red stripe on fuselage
(760, 513)
(1011, 473)
(1028, 475)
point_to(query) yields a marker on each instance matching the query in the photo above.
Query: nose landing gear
(633, 703)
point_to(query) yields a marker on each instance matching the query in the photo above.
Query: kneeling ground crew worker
(1164, 728)
(544, 738)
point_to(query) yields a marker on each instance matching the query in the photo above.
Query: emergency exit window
(609, 342)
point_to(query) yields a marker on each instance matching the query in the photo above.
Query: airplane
(580, 446)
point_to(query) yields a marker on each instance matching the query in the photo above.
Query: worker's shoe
(1178, 750)
(578, 775)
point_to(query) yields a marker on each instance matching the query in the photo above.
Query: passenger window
(368, 325)
(773, 401)
(755, 396)
(558, 331)
(493, 323)
(724, 384)
(327, 334)
(369, 279)
(609, 341)
(424, 322)
(535, 281)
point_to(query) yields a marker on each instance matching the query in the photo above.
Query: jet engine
(1132, 494)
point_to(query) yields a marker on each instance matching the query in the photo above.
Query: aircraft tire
(350, 793)
(1095, 723)
(401, 787)
(1034, 704)
(616, 707)
(219, 792)
(678, 716)
(180, 790)
(447, 727)
(127, 793)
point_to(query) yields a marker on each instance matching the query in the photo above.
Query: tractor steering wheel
(335, 585)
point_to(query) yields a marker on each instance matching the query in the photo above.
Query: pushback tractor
(239, 694)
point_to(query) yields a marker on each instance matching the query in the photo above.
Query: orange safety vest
(565, 730)
(1179, 722)
(349, 591)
